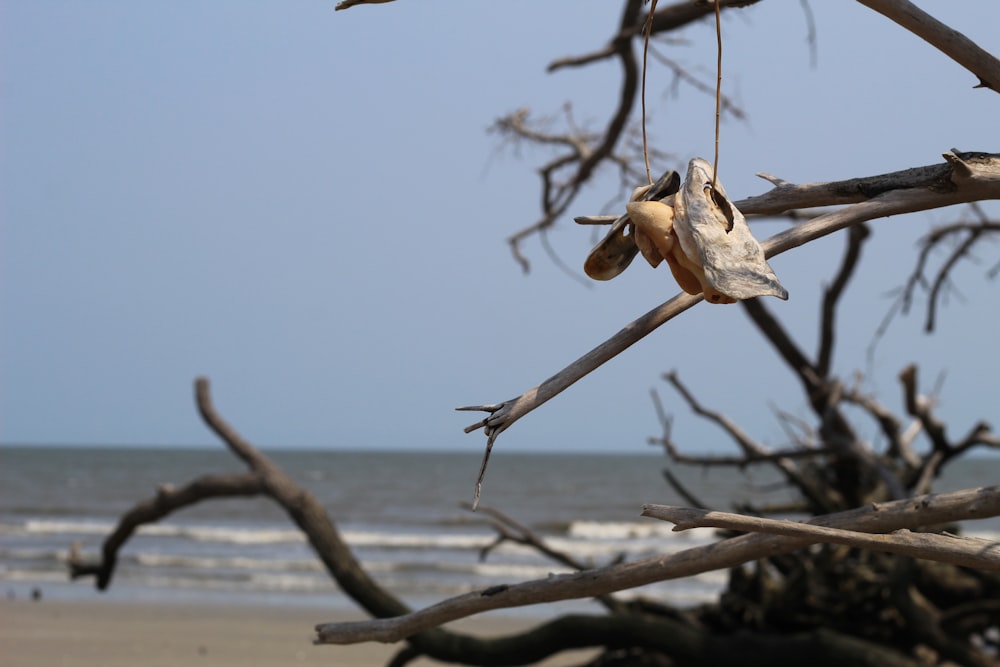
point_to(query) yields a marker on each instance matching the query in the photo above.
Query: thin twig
(810, 32)
(682, 490)
(820, 497)
(510, 530)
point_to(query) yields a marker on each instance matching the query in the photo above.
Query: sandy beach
(101, 633)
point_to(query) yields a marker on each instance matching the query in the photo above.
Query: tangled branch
(962, 237)
(965, 177)
(882, 518)
(564, 176)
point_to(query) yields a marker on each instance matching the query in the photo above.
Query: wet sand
(102, 633)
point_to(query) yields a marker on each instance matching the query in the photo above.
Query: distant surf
(399, 512)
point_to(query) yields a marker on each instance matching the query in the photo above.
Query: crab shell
(714, 235)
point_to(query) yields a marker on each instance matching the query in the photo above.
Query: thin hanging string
(645, 53)
(718, 91)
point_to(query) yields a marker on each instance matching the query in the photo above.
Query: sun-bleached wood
(964, 177)
(910, 513)
(943, 37)
(947, 548)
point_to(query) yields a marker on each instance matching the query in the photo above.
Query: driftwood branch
(946, 39)
(266, 479)
(167, 500)
(965, 177)
(965, 551)
(511, 530)
(910, 513)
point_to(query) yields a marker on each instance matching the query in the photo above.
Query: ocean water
(401, 512)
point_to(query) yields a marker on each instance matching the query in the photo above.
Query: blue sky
(306, 207)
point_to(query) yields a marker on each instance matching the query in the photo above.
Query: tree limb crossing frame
(964, 177)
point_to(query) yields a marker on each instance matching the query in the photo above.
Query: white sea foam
(387, 540)
(255, 535)
(34, 576)
(225, 563)
(629, 530)
(84, 527)
(419, 548)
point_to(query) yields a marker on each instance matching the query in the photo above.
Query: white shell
(714, 233)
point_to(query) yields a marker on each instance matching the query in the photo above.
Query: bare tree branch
(919, 407)
(714, 460)
(966, 177)
(943, 450)
(682, 489)
(666, 19)
(814, 492)
(937, 179)
(899, 441)
(875, 518)
(564, 176)
(557, 196)
(510, 530)
(921, 615)
(946, 39)
(965, 551)
(845, 476)
(263, 478)
(680, 14)
(811, 39)
(972, 232)
(166, 501)
(789, 350)
(682, 74)
(831, 296)
(347, 4)
(824, 396)
(267, 479)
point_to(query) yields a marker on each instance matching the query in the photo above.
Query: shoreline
(120, 633)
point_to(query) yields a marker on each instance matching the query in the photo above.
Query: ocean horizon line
(652, 451)
(353, 449)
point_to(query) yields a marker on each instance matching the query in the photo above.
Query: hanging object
(703, 237)
(618, 248)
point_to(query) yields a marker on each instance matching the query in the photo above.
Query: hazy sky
(306, 207)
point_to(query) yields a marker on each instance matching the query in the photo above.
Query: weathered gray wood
(883, 518)
(965, 177)
(965, 551)
(946, 39)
